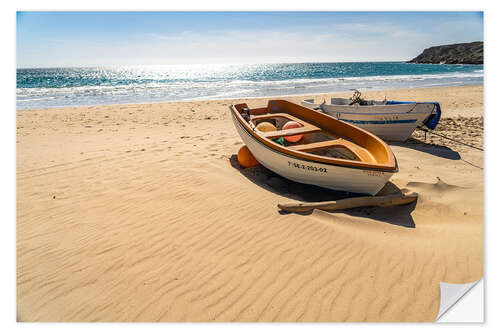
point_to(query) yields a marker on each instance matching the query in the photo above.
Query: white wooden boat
(389, 120)
(331, 154)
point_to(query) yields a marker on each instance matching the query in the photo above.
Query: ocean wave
(41, 97)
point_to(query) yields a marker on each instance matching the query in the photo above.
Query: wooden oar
(382, 201)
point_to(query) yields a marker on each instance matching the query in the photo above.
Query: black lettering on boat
(307, 167)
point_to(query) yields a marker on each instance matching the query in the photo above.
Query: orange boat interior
(324, 138)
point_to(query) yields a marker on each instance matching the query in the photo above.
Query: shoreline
(304, 96)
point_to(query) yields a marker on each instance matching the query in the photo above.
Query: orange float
(246, 159)
(289, 125)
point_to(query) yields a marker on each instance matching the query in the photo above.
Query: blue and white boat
(389, 120)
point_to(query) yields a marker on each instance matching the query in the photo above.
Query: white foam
(189, 90)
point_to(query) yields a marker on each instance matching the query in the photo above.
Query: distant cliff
(465, 53)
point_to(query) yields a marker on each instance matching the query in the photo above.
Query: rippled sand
(141, 213)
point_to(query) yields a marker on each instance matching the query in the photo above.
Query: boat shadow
(429, 148)
(265, 178)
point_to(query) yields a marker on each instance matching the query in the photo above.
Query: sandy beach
(141, 212)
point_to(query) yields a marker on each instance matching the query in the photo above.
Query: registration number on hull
(306, 167)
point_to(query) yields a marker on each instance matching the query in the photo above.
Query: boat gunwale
(370, 113)
(390, 166)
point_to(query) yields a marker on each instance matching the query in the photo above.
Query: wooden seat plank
(284, 115)
(360, 152)
(291, 131)
(308, 147)
(305, 129)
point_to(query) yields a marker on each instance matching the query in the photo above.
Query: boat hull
(339, 178)
(389, 122)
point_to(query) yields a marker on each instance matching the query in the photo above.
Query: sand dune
(141, 213)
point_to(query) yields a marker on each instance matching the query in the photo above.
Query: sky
(64, 39)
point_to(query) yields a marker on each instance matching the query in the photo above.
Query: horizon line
(213, 64)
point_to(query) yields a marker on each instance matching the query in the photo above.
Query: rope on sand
(451, 139)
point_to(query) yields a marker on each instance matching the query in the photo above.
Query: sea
(85, 86)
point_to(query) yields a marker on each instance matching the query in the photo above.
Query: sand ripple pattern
(155, 225)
